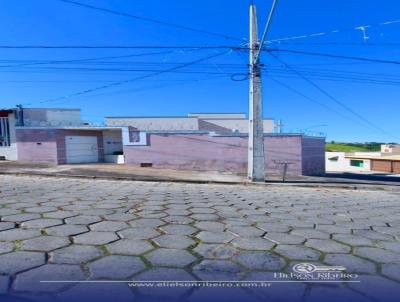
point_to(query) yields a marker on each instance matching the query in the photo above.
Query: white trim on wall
(126, 139)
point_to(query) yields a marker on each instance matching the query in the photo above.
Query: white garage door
(81, 149)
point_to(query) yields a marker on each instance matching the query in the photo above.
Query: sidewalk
(128, 172)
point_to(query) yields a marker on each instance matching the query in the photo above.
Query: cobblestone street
(76, 229)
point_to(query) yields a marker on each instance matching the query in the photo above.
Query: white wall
(112, 141)
(343, 164)
(241, 125)
(155, 123)
(183, 123)
(10, 152)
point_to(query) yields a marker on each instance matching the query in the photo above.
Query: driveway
(90, 237)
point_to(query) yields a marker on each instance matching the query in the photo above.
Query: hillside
(352, 147)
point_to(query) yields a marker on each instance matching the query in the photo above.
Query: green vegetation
(353, 147)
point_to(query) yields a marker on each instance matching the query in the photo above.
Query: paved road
(74, 230)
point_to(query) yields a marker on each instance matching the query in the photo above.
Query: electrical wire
(118, 83)
(123, 14)
(86, 60)
(333, 56)
(331, 97)
(328, 108)
(123, 47)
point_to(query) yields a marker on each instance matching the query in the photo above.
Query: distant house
(388, 160)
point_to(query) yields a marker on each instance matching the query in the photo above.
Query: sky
(346, 99)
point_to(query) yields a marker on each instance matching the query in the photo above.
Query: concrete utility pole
(256, 131)
(256, 158)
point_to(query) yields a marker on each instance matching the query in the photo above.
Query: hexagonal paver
(373, 235)
(170, 257)
(20, 217)
(66, 230)
(6, 247)
(41, 223)
(215, 237)
(352, 263)
(353, 240)
(60, 214)
(202, 210)
(273, 227)
(6, 225)
(139, 233)
(245, 231)
(115, 267)
(392, 271)
(27, 281)
(211, 226)
(327, 246)
(393, 246)
(75, 254)
(95, 238)
(129, 247)
(174, 241)
(215, 251)
(44, 243)
(310, 234)
(221, 270)
(178, 229)
(82, 219)
(297, 252)
(124, 217)
(260, 261)
(253, 243)
(377, 254)
(178, 219)
(283, 238)
(41, 209)
(206, 217)
(15, 262)
(18, 234)
(146, 222)
(108, 226)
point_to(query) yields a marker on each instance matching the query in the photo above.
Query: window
(357, 163)
(335, 158)
(4, 132)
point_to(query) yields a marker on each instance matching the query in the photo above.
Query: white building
(339, 162)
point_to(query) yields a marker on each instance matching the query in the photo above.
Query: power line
(123, 14)
(198, 47)
(314, 100)
(340, 43)
(346, 107)
(122, 46)
(132, 80)
(86, 60)
(334, 56)
(334, 31)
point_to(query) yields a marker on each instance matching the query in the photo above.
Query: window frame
(359, 163)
